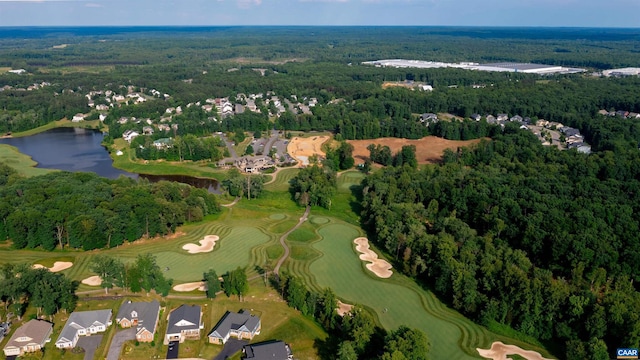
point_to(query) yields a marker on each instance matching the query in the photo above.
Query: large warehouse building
(502, 66)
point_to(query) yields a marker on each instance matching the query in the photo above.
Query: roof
(147, 313)
(37, 330)
(83, 320)
(276, 350)
(235, 321)
(186, 317)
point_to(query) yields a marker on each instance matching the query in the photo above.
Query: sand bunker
(377, 266)
(343, 308)
(301, 148)
(57, 266)
(186, 287)
(499, 351)
(92, 281)
(206, 245)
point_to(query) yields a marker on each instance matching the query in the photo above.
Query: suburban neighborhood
(139, 322)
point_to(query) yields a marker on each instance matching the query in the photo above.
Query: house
(184, 323)
(516, 118)
(83, 323)
(142, 315)
(130, 135)
(147, 130)
(274, 350)
(240, 325)
(29, 337)
(502, 117)
(475, 117)
(4, 329)
(163, 143)
(428, 117)
(77, 117)
(102, 117)
(427, 88)
(490, 119)
(622, 113)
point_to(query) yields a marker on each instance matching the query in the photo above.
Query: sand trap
(92, 281)
(377, 266)
(186, 287)
(343, 308)
(206, 245)
(499, 351)
(301, 148)
(57, 266)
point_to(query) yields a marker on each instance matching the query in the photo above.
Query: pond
(75, 149)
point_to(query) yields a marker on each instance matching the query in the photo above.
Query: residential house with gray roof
(141, 315)
(30, 337)
(83, 323)
(184, 323)
(273, 350)
(240, 325)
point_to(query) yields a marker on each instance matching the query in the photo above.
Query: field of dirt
(302, 148)
(429, 149)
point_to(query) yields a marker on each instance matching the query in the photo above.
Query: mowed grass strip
(340, 269)
(281, 183)
(348, 179)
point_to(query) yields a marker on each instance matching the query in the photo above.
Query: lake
(75, 149)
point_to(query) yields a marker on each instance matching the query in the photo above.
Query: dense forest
(511, 232)
(82, 210)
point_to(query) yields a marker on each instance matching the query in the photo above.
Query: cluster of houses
(620, 113)
(572, 137)
(34, 86)
(183, 324)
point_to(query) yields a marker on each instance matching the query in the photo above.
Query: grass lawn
(22, 163)
(281, 183)
(94, 124)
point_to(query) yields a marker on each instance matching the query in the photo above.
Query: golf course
(323, 254)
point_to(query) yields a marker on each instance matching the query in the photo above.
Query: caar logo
(627, 353)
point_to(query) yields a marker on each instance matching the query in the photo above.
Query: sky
(545, 13)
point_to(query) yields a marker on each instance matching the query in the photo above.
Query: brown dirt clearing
(302, 148)
(429, 149)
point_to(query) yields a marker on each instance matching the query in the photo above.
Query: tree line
(85, 211)
(514, 233)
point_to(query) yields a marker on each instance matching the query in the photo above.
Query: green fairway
(22, 163)
(396, 301)
(348, 179)
(281, 183)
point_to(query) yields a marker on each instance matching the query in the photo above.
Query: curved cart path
(235, 201)
(284, 257)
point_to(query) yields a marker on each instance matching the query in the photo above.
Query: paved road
(269, 144)
(231, 347)
(232, 151)
(118, 340)
(284, 237)
(90, 345)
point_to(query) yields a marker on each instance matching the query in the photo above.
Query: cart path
(284, 257)
(235, 201)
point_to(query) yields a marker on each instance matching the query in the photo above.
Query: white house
(77, 117)
(30, 337)
(130, 135)
(83, 323)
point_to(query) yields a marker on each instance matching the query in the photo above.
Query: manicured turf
(281, 182)
(396, 301)
(348, 179)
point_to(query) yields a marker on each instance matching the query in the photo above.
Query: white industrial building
(528, 68)
(630, 71)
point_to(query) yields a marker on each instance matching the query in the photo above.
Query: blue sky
(580, 13)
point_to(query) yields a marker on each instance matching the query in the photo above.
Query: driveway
(172, 351)
(89, 344)
(118, 340)
(231, 347)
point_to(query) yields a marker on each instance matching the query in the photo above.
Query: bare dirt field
(429, 149)
(206, 245)
(301, 148)
(343, 308)
(57, 266)
(499, 351)
(381, 268)
(92, 281)
(186, 287)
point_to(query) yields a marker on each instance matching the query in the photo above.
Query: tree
(412, 343)
(249, 150)
(110, 270)
(236, 283)
(346, 351)
(212, 283)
